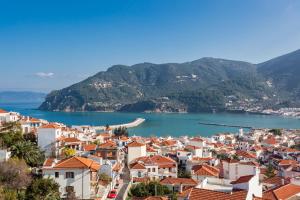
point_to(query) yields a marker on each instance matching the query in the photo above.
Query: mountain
(284, 73)
(21, 97)
(202, 85)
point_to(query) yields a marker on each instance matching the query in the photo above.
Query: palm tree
(28, 151)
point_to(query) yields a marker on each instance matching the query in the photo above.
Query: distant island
(204, 85)
(21, 97)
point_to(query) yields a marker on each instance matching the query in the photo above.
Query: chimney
(282, 181)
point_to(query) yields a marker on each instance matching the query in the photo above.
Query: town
(83, 163)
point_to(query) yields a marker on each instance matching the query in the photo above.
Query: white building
(153, 167)
(234, 169)
(198, 142)
(75, 174)
(8, 116)
(47, 137)
(136, 150)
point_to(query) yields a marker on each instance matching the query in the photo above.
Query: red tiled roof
(135, 144)
(287, 162)
(48, 162)
(196, 139)
(229, 160)
(89, 147)
(206, 170)
(71, 139)
(3, 111)
(51, 125)
(178, 181)
(168, 143)
(242, 179)
(108, 144)
(197, 194)
(206, 159)
(78, 162)
(150, 149)
(191, 147)
(253, 163)
(270, 140)
(160, 161)
(138, 166)
(246, 154)
(276, 180)
(283, 192)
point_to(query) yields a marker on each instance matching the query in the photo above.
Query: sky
(49, 45)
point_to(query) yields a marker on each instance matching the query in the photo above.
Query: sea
(161, 124)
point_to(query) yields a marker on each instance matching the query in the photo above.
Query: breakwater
(136, 122)
(226, 125)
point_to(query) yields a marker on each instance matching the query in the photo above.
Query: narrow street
(126, 179)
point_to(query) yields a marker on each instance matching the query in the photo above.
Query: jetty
(226, 125)
(135, 123)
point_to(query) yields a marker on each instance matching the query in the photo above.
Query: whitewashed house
(75, 174)
(136, 150)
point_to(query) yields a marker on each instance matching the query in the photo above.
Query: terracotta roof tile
(71, 139)
(108, 144)
(78, 162)
(3, 111)
(135, 144)
(50, 126)
(89, 147)
(206, 170)
(48, 162)
(178, 181)
(283, 192)
(242, 179)
(138, 166)
(197, 194)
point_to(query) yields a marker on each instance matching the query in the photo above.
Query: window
(139, 174)
(149, 170)
(56, 174)
(153, 169)
(69, 174)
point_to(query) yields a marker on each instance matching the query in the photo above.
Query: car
(112, 194)
(117, 186)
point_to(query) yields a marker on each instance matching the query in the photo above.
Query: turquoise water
(160, 124)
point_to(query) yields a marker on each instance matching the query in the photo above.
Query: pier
(135, 123)
(226, 125)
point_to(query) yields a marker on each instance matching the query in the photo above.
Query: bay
(160, 124)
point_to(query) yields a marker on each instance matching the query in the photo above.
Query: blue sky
(46, 45)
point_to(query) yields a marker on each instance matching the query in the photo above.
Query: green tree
(276, 131)
(30, 137)
(14, 175)
(10, 133)
(270, 171)
(105, 178)
(183, 174)
(296, 146)
(28, 151)
(8, 194)
(42, 189)
(222, 156)
(68, 152)
(235, 157)
(121, 131)
(152, 188)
